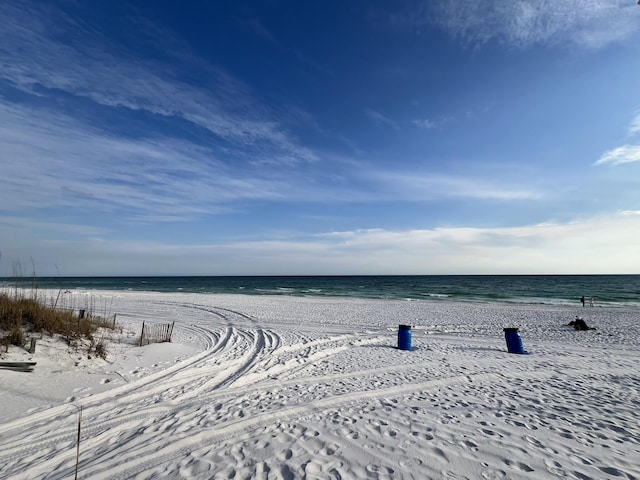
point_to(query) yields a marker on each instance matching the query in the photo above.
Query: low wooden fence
(156, 333)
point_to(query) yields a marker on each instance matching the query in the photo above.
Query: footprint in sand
(469, 444)
(328, 450)
(380, 469)
(286, 473)
(195, 468)
(347, 433)
(423, 436)
(390, 432)
(555, 468)
(492, 474)
(614, 472)
(312, 468)
(284, 455)
(518, 465)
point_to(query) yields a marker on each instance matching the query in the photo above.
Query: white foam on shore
(282, 387)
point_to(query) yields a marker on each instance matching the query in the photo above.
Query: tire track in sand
(132, 403)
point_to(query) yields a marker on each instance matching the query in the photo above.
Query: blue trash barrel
(404, 337)
(514, 342)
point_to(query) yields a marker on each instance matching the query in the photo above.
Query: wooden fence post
(142, 334)
(78, 441)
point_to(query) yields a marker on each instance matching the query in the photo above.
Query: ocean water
(606, 290)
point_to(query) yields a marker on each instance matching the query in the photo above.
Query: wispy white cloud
(381, 119)
(425, 123)
(257, 27)
(430, 123)
(31, 225)
(56, 162)
(417, 185)
(86, 65)
(634, 128)
(625, 153)
(620, 155)
(589, 24)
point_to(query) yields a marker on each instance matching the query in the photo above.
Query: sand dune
(284, 388)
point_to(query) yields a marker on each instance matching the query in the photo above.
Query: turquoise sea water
(607, 290)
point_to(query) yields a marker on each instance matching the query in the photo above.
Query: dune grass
(22, 314)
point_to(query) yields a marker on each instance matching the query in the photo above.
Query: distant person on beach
(582, 300)
(591, 301)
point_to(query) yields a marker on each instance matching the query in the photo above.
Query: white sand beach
(275, 387)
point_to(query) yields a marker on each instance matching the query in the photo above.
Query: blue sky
(281, 137)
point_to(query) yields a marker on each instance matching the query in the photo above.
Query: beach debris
(18, 366)
(580, 324)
